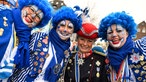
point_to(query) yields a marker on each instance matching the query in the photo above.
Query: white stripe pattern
(141, 44)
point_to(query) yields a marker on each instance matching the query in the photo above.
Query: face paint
(31, 15)
(116, 35)
(34, 8)
(65, 29)
(24, 13)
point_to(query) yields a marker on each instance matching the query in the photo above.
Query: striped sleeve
(141, 44)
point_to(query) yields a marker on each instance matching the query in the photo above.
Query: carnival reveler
(126, 59)
(6, 37)
(86, 65)
(29, 14)
(50, 49)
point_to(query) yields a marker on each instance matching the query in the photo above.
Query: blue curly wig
(43, 5)
(67, 13)
(119, 18)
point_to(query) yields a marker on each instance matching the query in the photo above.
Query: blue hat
(98, 50)
(67, 13)
(119, 18)
(43, 5)
(12, 2)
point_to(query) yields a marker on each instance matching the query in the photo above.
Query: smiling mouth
(27, 20)
(63, 35)
(115, 42)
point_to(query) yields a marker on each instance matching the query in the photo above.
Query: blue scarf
(117, 56)
(23, 33)
(60, 46)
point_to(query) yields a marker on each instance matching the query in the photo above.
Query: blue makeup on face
(58, 26)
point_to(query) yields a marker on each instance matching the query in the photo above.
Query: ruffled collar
(84, 55)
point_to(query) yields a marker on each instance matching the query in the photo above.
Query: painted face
(84, 44)
(65, 29)
(116, 36)
(31, 15)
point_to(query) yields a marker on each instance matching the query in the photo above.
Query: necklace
(58, 66)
